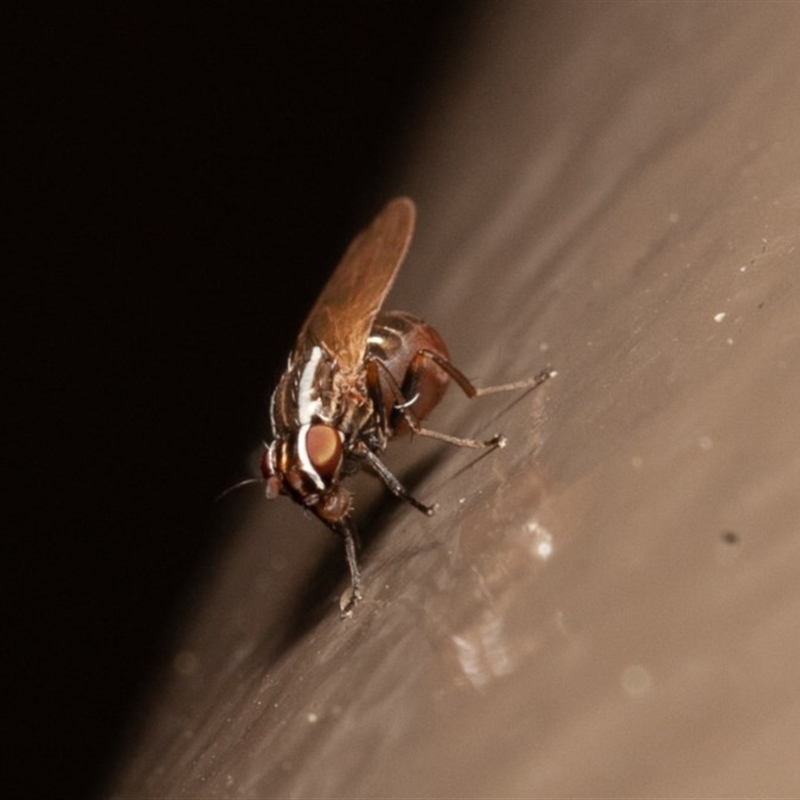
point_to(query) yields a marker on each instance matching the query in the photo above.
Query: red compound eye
(324, 448)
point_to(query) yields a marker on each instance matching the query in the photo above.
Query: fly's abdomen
(402, 343)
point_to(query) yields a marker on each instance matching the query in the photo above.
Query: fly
(357, 378)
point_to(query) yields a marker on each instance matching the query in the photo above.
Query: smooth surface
(610, 605)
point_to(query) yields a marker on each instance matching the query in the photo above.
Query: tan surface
(611, 605)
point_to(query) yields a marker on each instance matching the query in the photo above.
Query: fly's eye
(324, 448)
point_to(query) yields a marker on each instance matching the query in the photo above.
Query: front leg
(394, 485)
(347, 531)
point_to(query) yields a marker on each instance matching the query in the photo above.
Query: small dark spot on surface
(730, 537)
(761, 304)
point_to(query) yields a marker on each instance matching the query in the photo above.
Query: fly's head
(306, 464)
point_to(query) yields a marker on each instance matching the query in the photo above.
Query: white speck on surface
(541, 544)
(705, 443)
(719, 317)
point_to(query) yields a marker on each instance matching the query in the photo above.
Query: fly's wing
(343, 315)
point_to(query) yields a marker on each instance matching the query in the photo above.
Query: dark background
(182, 181)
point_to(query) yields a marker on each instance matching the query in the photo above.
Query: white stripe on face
(305, 461)
(307, 404)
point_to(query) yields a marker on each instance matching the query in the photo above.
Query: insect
(358, 377)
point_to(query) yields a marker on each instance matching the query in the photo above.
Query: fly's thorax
(305, 391)
(315, 389)
(322, 417)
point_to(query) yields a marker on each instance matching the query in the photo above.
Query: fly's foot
(350, 598)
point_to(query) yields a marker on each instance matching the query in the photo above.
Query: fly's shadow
(320, 598)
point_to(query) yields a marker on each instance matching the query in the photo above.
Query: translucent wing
(342, 317)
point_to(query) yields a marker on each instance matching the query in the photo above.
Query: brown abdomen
(399, 341)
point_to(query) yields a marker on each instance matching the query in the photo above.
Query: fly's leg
(346, 530)
(469, 389)
(418, 363)
(394, 485)
(405, 404)
(364, 452)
